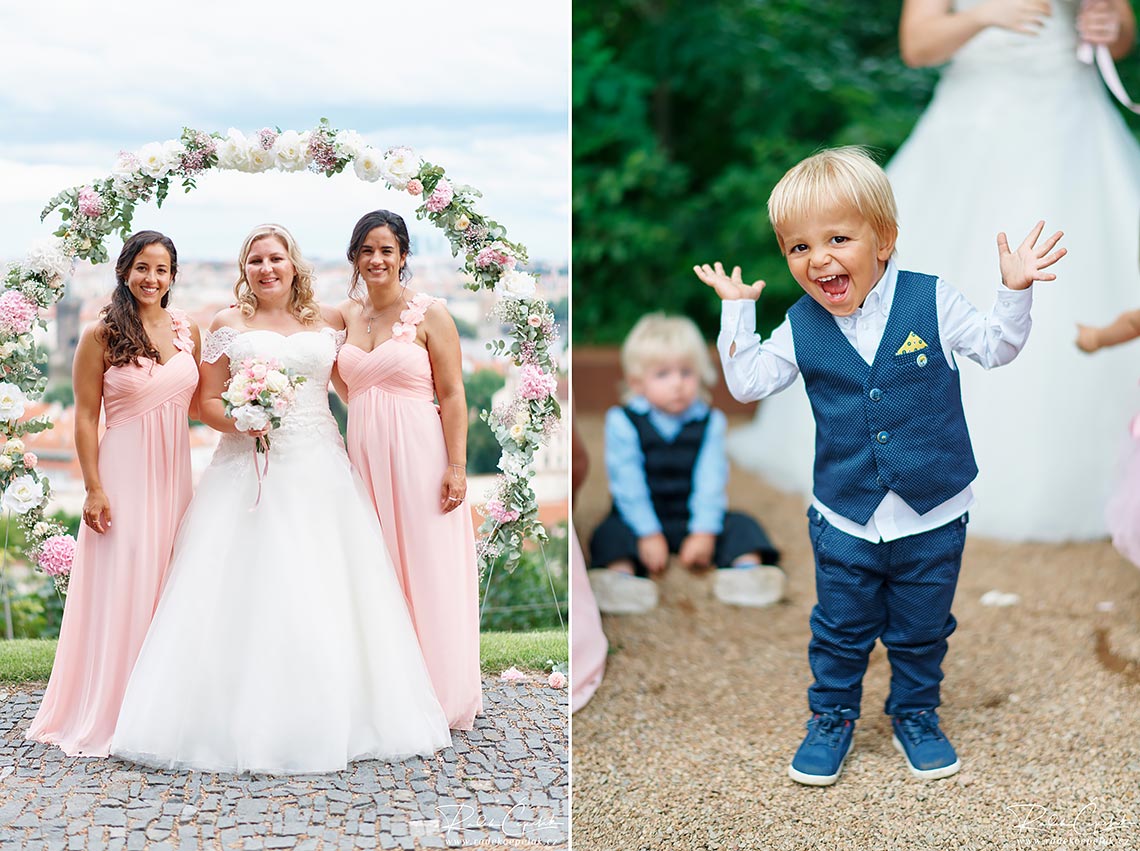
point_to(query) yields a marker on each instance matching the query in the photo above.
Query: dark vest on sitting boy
(895, 424)
(669, 467)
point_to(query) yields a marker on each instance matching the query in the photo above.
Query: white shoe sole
(820, 779)
(621, 593)
(928, 773)
(757, 586)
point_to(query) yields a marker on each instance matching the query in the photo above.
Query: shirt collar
(640, 405)
(882, 294)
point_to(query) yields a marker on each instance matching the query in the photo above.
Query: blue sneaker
(928, 752)
(820, 757)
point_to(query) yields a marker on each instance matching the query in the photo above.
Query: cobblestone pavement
(503, 784)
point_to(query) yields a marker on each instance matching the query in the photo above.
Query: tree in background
(482, 447)
(685, 117)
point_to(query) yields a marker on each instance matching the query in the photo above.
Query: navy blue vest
(669, 466)
(896, 424)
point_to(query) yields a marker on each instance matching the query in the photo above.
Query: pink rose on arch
(30, 460)
(415, 186)
(557, 679)
(441, 197)
(90, 202)
(500, 513)
(17, 312)
(536, 384)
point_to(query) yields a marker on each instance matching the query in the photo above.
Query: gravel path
(502, 784)
(687, 741)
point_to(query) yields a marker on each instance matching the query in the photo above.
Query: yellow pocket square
(914, 343)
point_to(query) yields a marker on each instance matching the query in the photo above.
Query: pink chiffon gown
(589, 647)
(395, 442)
(117, 577)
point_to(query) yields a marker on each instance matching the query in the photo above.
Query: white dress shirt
(756, 369)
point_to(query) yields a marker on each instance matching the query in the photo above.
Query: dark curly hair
(126, 338)
(369, 222)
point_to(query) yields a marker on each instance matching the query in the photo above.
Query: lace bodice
(307, 353)
(1052, 50)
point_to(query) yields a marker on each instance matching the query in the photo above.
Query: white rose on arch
(349, 143)
(515, 284)
(12, 401)
(367, 165)
(257, 158)
(291, 151)
(24, 494)
(47, 257)
(233, 151)
(400, 165)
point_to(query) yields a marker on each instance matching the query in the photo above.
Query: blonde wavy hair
(302, 302)
(659, 337)
(846, 176)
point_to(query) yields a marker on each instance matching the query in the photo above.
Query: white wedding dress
(1018, 131)
(282, 643)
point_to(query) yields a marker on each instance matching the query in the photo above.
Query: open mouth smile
(834, 286)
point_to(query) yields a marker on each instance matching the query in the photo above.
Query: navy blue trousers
(898, 591)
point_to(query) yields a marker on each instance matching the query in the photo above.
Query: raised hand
(1021, 268)
(1022, 16)
(728, 288)
(1087, 338)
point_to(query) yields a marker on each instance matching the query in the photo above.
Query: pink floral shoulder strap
(180, 322)
(412, 316)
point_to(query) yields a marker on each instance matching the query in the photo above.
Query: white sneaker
(620, 593)
(756, 585)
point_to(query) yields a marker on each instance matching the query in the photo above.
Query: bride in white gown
(1018, 130)
(282, 643)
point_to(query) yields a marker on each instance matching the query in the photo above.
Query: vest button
(876, 394)
(883, 436)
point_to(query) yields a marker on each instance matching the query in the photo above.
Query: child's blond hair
(659, 337)
(846, 176)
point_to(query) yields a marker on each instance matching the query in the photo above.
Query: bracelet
(460, 466)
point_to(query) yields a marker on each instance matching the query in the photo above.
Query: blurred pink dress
(395, 441)
(1123, 512)
(588, 651)
(117, 577)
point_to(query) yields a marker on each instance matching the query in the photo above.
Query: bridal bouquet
(259, 393)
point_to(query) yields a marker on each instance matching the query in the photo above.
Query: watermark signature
(1085, 826)
(513, 826)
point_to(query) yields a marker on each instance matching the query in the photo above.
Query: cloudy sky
(481, 89)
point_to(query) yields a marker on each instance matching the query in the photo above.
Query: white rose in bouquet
(250, 418)
(258, 158)
(276, 381)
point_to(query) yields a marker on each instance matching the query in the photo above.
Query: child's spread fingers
(1031, 240)
(737, 276)
(1047, 246)
(1053, 258)
(1003, 243)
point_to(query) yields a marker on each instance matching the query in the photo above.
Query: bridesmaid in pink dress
(402, 352)
(140, 364)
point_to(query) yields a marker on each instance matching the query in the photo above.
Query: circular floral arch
(90, 213)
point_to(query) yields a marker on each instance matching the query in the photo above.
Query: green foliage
(26, 660)
(30, 660)
(339, 412)
(526, 650)
(60, 392)
(685, 118)
(522, 599)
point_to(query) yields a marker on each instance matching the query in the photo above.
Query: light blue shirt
(625, 466)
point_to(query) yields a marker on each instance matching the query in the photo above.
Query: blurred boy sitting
(668, 474)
